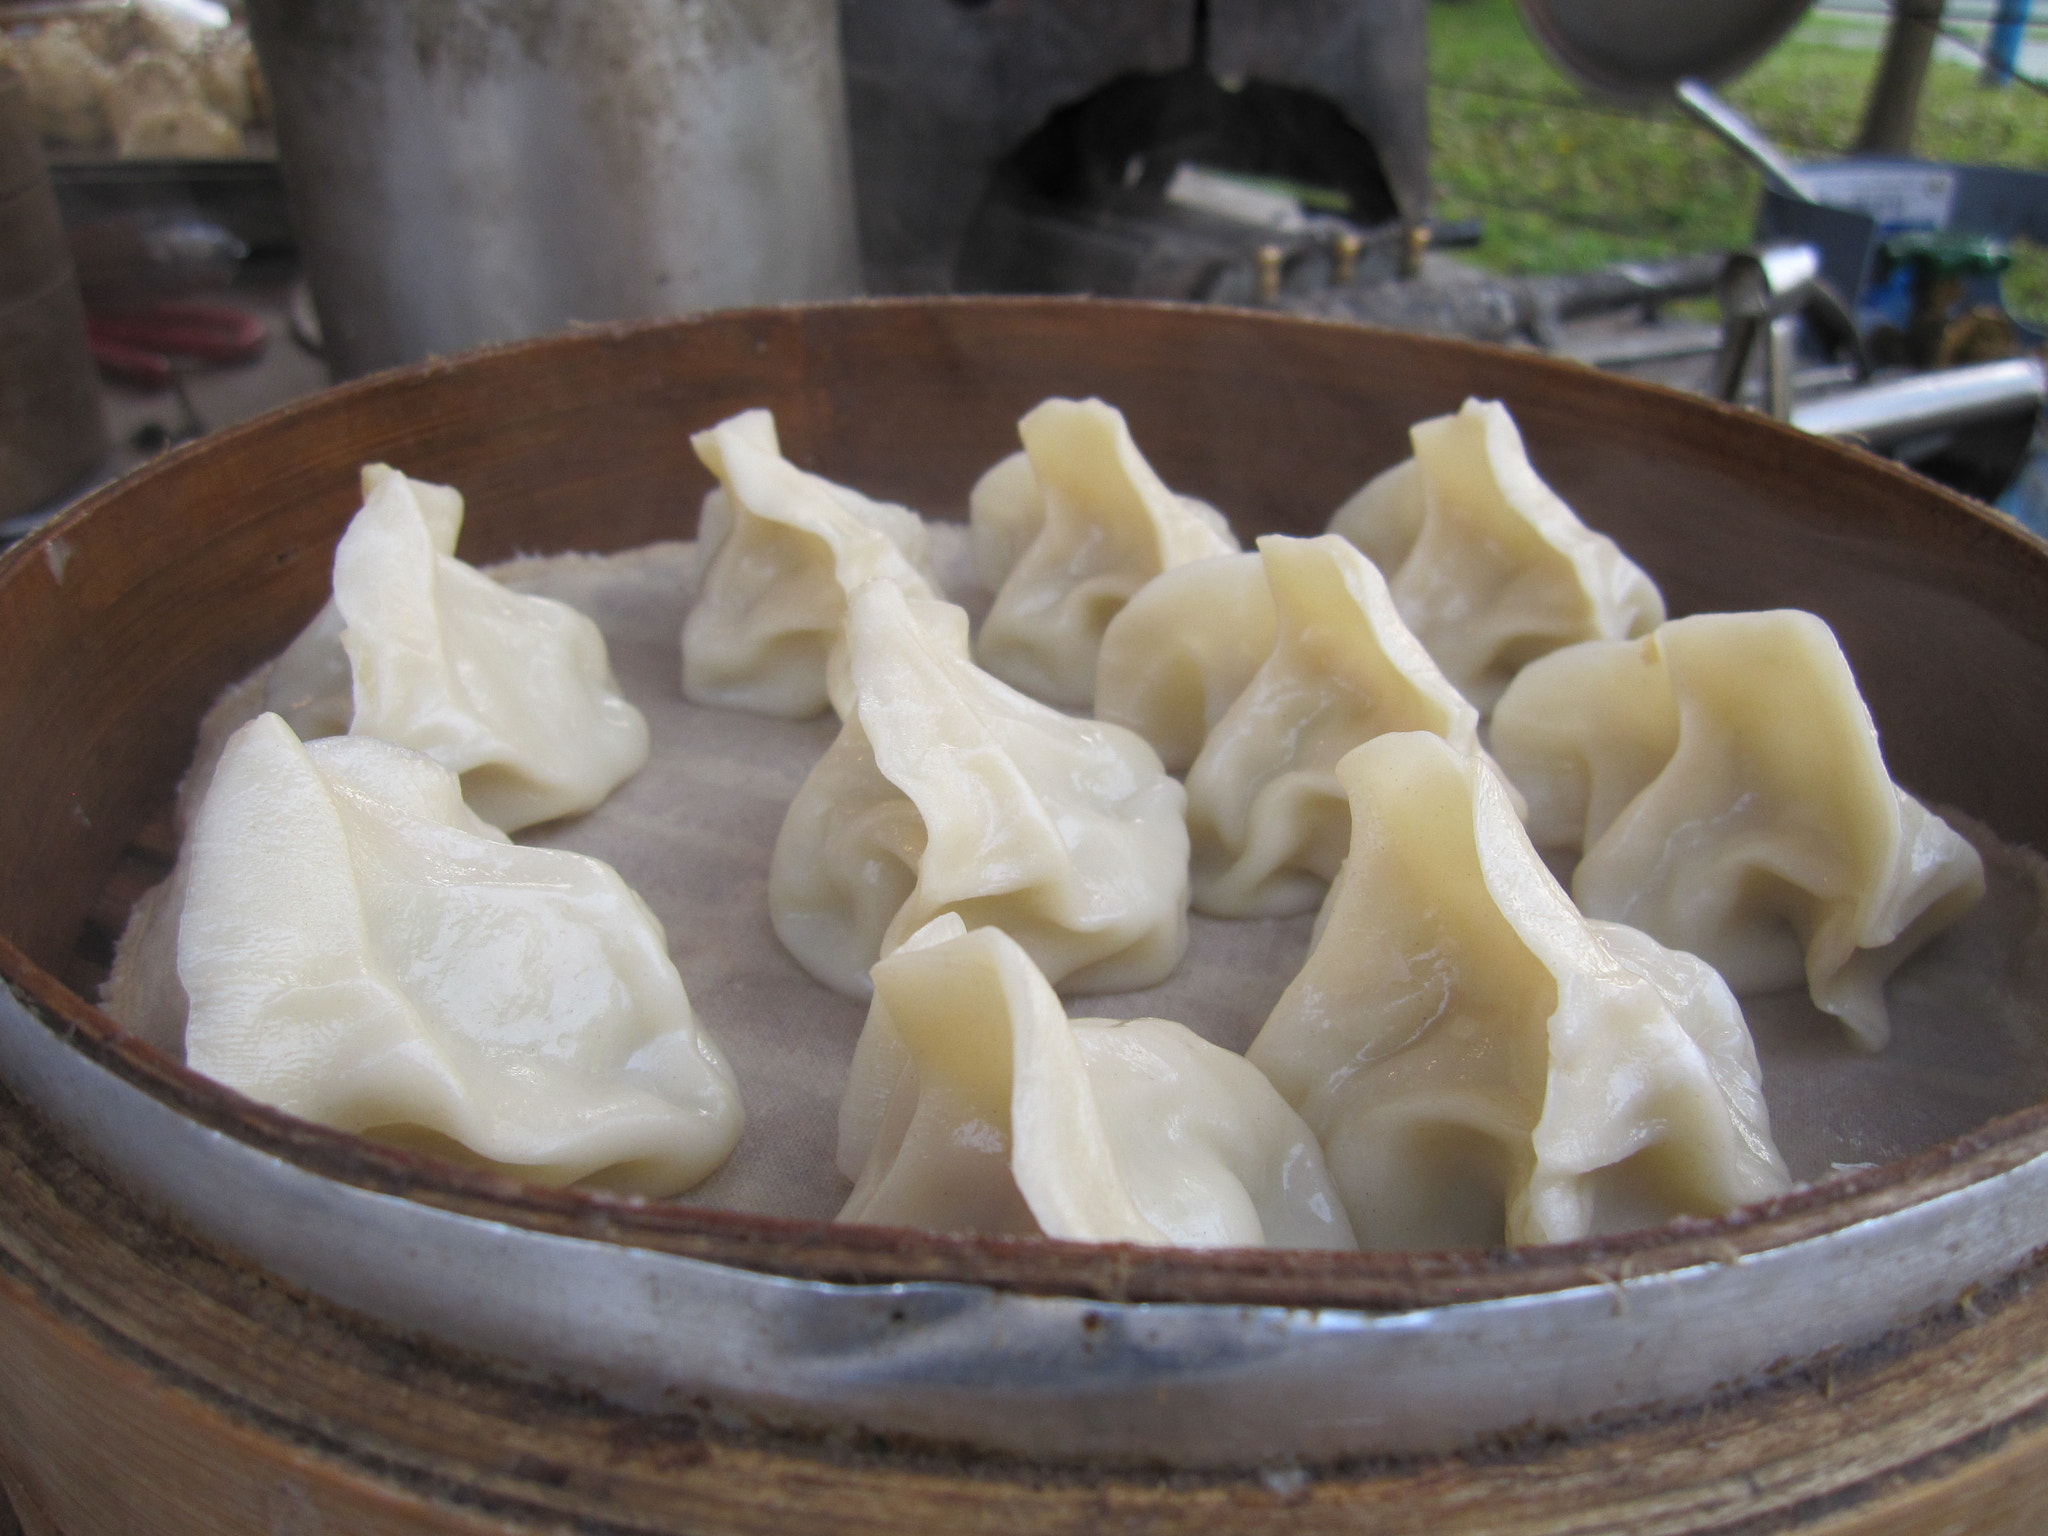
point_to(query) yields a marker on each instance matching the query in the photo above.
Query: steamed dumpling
(946, 628)
(513, 692)
(1005, 512)
(976, 1105)
(1487, 564)
(361, 950)
(310, 684)
(947, 791)
(1182, 650)
(780, 551)
(1091, 525)
(1384, 516)
(1480, 1062)
(1268, 822)
(1723, 778)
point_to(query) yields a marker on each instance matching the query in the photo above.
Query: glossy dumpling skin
(948, 791)
(1268, 821)
(1487, 564)
(1182, 650)
(976, 1105)
(1724, 780)
(361, 950)
(1480, 1062)
(511, 691)
(780, 550)
(1091, 525)
(309, 684)
(946, 627)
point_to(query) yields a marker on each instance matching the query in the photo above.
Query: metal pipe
(1699, 98)
(1884, 414)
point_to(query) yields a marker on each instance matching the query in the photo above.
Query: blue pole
(2008, 31)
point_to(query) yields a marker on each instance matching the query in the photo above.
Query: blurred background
(1836, 213)
(1562, 181)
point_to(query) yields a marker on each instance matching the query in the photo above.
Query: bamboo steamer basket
(214, 1318)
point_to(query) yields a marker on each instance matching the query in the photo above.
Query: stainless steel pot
(473, 171)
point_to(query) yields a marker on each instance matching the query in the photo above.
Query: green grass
(1562, 183)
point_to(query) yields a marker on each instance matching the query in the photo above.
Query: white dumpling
(142, 991)
(715, 512)
(1005, 511)
(309, 684)
(1101, 524)
(947, 790)
(1268, 822)
(945, 625)
(1480, 1062)
(976, 1105)
(1383, 517)
(361, 950)
(1487, 564)
(514, 692)
(1724, 780)
(780, 551)
(1181, 652)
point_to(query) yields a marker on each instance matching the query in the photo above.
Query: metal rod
(1700, 99)
(1779, 362)
(1883, 414)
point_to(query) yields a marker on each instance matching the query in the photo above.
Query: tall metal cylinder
(471, 171)
(51, 428)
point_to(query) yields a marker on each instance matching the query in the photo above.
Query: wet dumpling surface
(1090, 525)
(512, 691)
(1481, 1063)
(361, 950)
(1268, 822)
(976, 1105)
(781, 550)
(1723, 780)
(1487, 564)
(947, 790)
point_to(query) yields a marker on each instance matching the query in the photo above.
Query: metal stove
(1066, 146)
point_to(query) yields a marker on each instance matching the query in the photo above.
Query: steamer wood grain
(146, 1383)
(151, 1384)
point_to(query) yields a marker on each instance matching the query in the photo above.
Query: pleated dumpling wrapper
(1480, 1062)
(1182, 650)
(1723, 778)
(976, 1105)
(1487, 564)
(948, 791)
(781, 550)
(513, 692)
(1072, 533)
(360, 949)
(310, 684)
(1267, 819)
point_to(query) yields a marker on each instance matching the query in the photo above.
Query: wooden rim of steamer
(99, 689)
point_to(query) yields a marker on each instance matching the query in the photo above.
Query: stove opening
(1180, 186)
